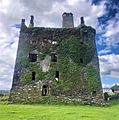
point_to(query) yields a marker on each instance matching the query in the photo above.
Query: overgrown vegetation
(69, 52)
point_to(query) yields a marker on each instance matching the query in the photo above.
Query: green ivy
(69, 66)
(93, 82)
(73, 49)
(26, 77)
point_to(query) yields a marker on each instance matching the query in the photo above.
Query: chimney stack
(31, 21)
(68, 21)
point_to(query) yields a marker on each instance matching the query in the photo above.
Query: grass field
(58, 112)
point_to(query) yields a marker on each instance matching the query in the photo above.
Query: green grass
(58, 112)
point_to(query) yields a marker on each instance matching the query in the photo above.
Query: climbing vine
(69, 52)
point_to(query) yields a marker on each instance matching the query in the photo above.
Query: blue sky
(103, 15)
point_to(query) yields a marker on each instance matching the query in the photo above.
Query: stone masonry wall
(23, 93)
(77, 63)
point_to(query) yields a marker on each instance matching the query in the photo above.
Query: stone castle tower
(56, 62)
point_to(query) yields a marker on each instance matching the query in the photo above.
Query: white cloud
(104, 51)
(112, 32)
(95, 12)
(8, 47)
(110, 35)
(109, 65)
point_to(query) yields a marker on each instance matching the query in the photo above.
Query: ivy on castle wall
(70, 67)
(74, 49)
(69, 52)
(92, 79)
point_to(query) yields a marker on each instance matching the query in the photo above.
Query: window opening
(32, 57)
(82, 42)
(53, 57)
(81, 60)
(94, 93)
(33, 75)
(57, 75)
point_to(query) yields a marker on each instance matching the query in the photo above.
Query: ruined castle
(58, 62)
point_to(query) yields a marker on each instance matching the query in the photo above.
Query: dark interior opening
(53, 57)
(32, 57)
(106, 96)
(94, 93)
(81, 60)
(57, 75)
(82, 42)
(33, 75)
(44, 90)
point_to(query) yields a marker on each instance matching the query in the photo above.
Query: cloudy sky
(103, 15)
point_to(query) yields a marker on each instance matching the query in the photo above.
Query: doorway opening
(94, 93)
(44, 90)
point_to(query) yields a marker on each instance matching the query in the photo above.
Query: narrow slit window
(32, 57)
(81, 60)
(57, 75)
(33, 75)
(53, 57)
